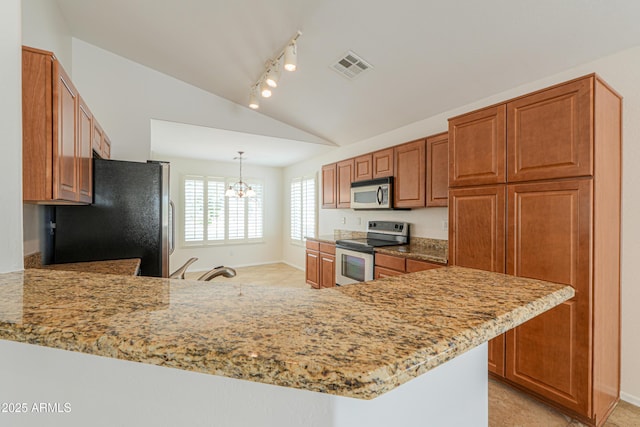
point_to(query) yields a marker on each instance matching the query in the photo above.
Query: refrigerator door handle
(172, 243)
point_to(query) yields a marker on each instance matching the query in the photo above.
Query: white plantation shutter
(236, 217)
(215, 213)
(210, 217)
(193, 209)
(254, 212)
(309, 207)
(296, 209)
(303, 208)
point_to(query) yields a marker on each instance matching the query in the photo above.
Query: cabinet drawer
(313, 245)
(381, 272)
(414, 265)
(389, 261)
(327, 248)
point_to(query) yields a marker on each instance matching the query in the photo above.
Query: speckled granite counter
(359, 340)
(422, 249)
(125, 267)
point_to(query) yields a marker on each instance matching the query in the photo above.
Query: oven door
(353, 266)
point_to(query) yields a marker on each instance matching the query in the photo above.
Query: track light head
(273, 74)
(254, 103)
(265, 90)
(290, 56)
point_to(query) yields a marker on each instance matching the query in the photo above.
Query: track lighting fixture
(271, 75)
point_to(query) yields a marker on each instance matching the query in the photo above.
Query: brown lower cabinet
(320, 264)
(390, 265)
(569, 355)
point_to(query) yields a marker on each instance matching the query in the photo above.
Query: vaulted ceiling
(428, 56)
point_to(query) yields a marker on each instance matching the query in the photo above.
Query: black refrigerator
(131, 217)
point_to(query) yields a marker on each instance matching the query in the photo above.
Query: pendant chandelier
(240, 189)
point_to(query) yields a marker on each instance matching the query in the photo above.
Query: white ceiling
(205, 143)
(429, 56)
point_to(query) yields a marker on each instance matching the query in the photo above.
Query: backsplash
(426, 243)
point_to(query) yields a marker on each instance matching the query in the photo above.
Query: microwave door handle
(379, 195)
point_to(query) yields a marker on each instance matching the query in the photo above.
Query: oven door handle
(379, 195)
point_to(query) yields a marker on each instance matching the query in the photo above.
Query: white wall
(621, 71)
(43, 27)
(233, 255)
(10, 137)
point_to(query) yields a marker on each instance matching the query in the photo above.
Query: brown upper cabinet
(363, 167)
(84, 145)
(329, 186)
(382, 163)
(101, 142)
(344, 178)
(410, 175)
(544, 135)
(477, 147)
(52, 158)
(549, 133)
(58, 134)
(438, 170)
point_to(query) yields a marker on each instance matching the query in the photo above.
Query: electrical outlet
(344, 219)
(445, 225)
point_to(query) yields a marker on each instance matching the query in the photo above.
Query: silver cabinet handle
(172, 242)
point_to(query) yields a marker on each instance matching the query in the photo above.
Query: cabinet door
(329, 186)
(410, 175)
(382, 163)
(327, 270)
(312, 268)
(37, 125)
(477, 240)
(549, 239)
(65, 124)
(344, 176)
(550, 133)
(477, 146)
(363, 168)
(438, 170)
(106, 147)
(97, 137)
(476, 227)
(85, 142)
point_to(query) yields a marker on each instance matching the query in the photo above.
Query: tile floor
(507, 407)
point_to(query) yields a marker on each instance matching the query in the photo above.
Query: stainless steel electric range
(354, 257)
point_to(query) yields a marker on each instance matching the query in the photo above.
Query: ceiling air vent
(351, 65)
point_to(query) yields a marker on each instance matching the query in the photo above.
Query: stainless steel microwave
(372, 194)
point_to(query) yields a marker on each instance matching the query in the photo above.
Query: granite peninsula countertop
(359, 340)
(126, 267)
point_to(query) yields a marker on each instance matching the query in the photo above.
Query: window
(303, 208)
(210, 217)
